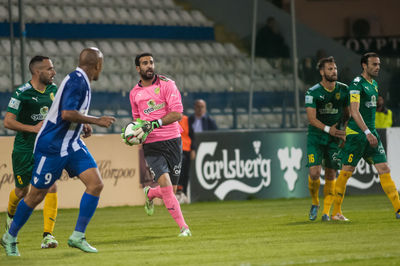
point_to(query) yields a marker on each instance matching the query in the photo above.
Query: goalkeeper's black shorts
(164, 157)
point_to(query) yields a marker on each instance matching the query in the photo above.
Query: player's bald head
(90, 57)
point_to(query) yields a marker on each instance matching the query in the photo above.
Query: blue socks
(21, 216)
(86, 210)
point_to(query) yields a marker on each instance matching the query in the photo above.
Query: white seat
(106, 48)
(57, 14)
(123, 15)
(132, 47)
(137, 17)
(187, 19)
(51, 47)
(97, 16)
(232, 49)
(66, 48)
(174, 16)
(3, 14)
(43, 14)
(71, 15)
(150, 17)
(37, 47)
(110, 16)
(123, 112)
(119, 48)
(169, 49)
(77, 47)
(30, 15)
(201, 19)
(163, 18)
(144, 46)
(195, 48)
(95, 112)
(182, 48)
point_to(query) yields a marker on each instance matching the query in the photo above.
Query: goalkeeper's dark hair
(36, 59)
(323, 61)
(364, 58)
(137, 59)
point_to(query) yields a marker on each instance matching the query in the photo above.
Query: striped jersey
(58, 136)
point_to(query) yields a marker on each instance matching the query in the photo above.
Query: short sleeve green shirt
(30, 107)
(366, 93)
(329, 105)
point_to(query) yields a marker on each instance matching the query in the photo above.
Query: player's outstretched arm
(10, 122)
(77, 117)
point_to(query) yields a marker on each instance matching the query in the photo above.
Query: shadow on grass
(133, 240)
(320, 222)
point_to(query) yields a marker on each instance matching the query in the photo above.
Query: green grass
(257, 232)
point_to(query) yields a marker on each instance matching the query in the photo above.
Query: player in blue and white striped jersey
(58, 146)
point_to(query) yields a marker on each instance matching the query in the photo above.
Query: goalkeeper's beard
(147, 75)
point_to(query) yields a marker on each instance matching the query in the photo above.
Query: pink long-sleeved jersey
(154, 102)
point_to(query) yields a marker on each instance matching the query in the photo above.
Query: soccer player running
(362, 140)
(58, 146)
(156, 102)
(26, 111)
(327, 107)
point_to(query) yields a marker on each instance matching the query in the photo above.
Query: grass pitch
(256, 232)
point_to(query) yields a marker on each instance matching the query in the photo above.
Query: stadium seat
(3, 13)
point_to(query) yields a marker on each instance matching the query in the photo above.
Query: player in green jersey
(327, 106)
(362, 140)
(26, 111)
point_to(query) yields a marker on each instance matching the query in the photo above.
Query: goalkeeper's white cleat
(339, 217)
(185, 232)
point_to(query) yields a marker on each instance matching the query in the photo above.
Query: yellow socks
(390, 190)
(13, 201)
(329, 191)
(50, 212)
(340, 189)
(313, 186)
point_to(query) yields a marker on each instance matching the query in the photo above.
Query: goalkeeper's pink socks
(154, 192)
(172, 205)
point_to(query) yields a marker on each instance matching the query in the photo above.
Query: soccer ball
(131, 133)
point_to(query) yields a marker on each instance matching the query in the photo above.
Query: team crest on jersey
(328, 109)
(376, 88)
(43, 113)
(153, 106)
(337, 95)
(371, 103)
(52, 96)
(157, 90)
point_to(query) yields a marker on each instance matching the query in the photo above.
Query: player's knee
(97, 188)
(21, 192)
(315, 174)
(34, 198)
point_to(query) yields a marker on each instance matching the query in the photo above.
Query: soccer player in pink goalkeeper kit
(156, 104)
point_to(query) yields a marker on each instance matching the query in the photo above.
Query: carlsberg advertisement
(255, 164)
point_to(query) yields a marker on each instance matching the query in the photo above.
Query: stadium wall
(118, 165)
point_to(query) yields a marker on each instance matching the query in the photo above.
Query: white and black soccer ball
(131, 133)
